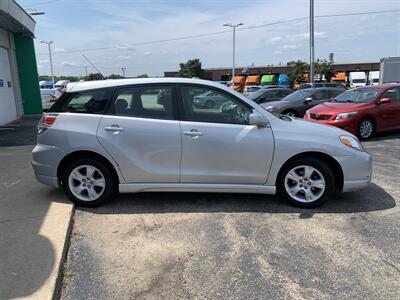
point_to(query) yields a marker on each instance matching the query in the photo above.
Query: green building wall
(27, 73)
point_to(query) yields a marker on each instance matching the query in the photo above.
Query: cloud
(147, 53)
(291, 47)
(71, 64)
(274, 39)
(124, 57)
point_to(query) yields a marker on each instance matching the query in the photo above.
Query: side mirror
(258, 120)
(384, 100)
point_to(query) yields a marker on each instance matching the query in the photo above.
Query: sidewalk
(34, 222)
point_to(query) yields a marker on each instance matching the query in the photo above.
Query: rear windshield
(92, 102)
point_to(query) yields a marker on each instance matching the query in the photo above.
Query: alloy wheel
(305, 184)
(366, 129)
(86, 182)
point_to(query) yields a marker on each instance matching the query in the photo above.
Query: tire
(316, 188)
(366, 129)
(99, 188)
(210, 104)
(290, 113)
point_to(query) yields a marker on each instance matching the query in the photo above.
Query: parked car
(49, 96)
(322, 84)
(91, 149)
(268, 95)
(362, 111)
(209, 99)
(296, 104)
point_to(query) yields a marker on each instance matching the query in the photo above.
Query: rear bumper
(45, 161)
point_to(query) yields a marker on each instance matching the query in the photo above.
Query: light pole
(311, 41)
(234, 26)
(123, 71)
(51, 59)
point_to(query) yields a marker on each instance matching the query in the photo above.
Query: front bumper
(345, 124)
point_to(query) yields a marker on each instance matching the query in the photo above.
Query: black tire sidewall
(359, 126)
(108, 177)
(322, 167)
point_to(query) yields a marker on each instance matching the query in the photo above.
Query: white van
(374, 77)
(61, 85)
(358, 79)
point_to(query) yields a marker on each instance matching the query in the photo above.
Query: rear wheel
(306, 182)
(88, 182)
(366, 129)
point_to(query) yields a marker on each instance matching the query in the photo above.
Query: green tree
(115, 76)
(142, 76)
(297, 72)
(192, 68)
(93, 76)
(323, 69)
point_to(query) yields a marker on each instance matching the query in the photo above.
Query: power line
(221, 32)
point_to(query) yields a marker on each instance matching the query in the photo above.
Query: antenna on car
(98, 71)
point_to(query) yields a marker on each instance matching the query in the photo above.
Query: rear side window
(334, 93)
(154, 102)
(92, 102)
(393, 94)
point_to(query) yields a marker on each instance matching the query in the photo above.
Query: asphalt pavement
(226, 246)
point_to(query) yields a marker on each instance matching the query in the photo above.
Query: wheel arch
(332, 163)
(85, 154)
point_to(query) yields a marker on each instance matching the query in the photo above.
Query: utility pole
(86, 71)
(51, 59)
(312, 41)
(123, 71)
(233, 26)
(94, 67)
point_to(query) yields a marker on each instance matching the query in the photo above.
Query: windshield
(255, 95)
(358, 80)
(362, 95)
(296, 96)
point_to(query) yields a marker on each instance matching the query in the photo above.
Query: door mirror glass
(384, 100)
(308, 99)
(258, 120)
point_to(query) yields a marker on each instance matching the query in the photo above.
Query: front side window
(92, 102)
(320, 95)
(144, 102)
(201, 104)
(273, 94)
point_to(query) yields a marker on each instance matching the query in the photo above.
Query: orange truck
(339, 78)
(238, 83)
(252, 82)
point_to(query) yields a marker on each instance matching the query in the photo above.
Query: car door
(389, 113)
(142, 134)
(218, 145)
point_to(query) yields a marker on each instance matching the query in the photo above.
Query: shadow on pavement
(373, 198)
(20, 132)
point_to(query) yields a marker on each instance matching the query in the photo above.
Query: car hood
(336, 107)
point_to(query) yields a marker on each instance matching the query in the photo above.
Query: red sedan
(362, 111)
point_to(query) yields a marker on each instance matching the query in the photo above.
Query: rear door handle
(113, 128)
(193, 133)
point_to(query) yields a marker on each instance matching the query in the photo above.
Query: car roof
(96, 84)
(321, 89)
(383, 86)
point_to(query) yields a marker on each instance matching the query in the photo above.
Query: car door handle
(113, 128)
(193, 133)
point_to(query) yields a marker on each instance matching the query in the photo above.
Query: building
(19, 87)
(224, 74)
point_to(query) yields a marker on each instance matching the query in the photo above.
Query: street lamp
(311, 41)
(51, 60)
(123, 71)
(233, 26)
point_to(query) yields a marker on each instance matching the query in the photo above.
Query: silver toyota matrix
(146, 135)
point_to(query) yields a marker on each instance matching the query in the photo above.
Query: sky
(119, 33)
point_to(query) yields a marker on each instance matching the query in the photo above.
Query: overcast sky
(119, 25)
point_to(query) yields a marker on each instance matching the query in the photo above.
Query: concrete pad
(34, 225)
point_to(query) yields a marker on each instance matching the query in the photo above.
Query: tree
(323, 69)
(192, 68)
(142, 76)
(93, 76)
(298, 71)
(115, 76)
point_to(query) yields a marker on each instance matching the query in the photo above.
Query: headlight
(345, 115)
(351, 142)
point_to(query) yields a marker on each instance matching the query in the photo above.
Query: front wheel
(366, 129)
(88, 182)
(306, 182)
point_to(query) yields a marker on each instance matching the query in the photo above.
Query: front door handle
(114, 129)
(193, 133)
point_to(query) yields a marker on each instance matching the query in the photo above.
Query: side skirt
(196, 187)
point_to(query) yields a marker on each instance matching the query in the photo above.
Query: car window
(93, 101)
(144, 102)
(334, 93)
(273, 94)
(320, 95)
(198, 106)
(393, 94)
(284, 93)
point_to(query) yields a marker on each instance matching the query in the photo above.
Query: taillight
(46, 121)
(53, 98)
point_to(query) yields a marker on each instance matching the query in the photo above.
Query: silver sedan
(101, 137)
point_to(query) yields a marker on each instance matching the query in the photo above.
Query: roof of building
(15, 19)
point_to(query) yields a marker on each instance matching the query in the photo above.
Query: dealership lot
(220, 246)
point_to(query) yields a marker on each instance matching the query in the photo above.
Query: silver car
(102, 137)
